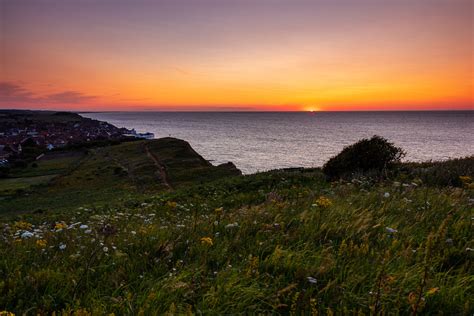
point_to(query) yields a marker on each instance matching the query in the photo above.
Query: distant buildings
(133, 133)
(18, 131)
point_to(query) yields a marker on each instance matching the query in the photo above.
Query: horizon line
(237, 111)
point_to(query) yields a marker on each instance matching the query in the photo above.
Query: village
(48, 131)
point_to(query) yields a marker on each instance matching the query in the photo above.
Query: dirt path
(161, 168)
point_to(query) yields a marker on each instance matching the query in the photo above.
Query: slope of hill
(150, 227)
(281, 242)
(104, 174)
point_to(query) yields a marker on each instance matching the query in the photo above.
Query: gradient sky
(236, 54)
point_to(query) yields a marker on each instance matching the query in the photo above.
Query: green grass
(10, 186)
(105, 174)
(51, 163)
(281, 242)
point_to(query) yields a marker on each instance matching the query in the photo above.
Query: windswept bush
(375, 154)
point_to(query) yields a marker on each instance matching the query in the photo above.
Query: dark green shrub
(374, 155)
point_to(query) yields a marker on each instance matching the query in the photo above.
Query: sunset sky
(236, 54)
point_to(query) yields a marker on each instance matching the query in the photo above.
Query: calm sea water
(270, 140)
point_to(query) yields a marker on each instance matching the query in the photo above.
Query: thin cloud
(69, 97)
(13, 92)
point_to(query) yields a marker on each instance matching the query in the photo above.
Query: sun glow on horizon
(312, 109)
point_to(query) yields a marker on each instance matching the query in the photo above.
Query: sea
(260, 141)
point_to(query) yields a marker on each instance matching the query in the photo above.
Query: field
(281, 242)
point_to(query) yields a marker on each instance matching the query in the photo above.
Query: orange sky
(237, 55)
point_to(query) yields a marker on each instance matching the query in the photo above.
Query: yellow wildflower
(23, 225)
(143, 230)
(253, 266)
(151, 296)
(323, 202)
(207, 241)
(390, 279)
(171, 204)
(433, 291)
(41, 243)
(465, 179)
(6, 313)
(81, 312)
(219, 211)
(59, 226)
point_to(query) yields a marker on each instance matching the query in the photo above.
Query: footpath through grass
(277, 242)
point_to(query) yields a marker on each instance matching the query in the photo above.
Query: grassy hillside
(282, 242)
(66, 180)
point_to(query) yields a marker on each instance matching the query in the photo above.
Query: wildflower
(26, 235)
(312, 280)
(133, 232)
(87, 231)
(23, 225)
(232, 225)
(73, 225)
(432, 291)
(60, 226)
(6, 313)
(207, 241)
(75, 256)
(216, 223)
(391, 230)
(386, 195)
(105, 249)
(171, 204)
(323, 202)
(219, 211)
(41, 243)
(83, 226)
(62, 246)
